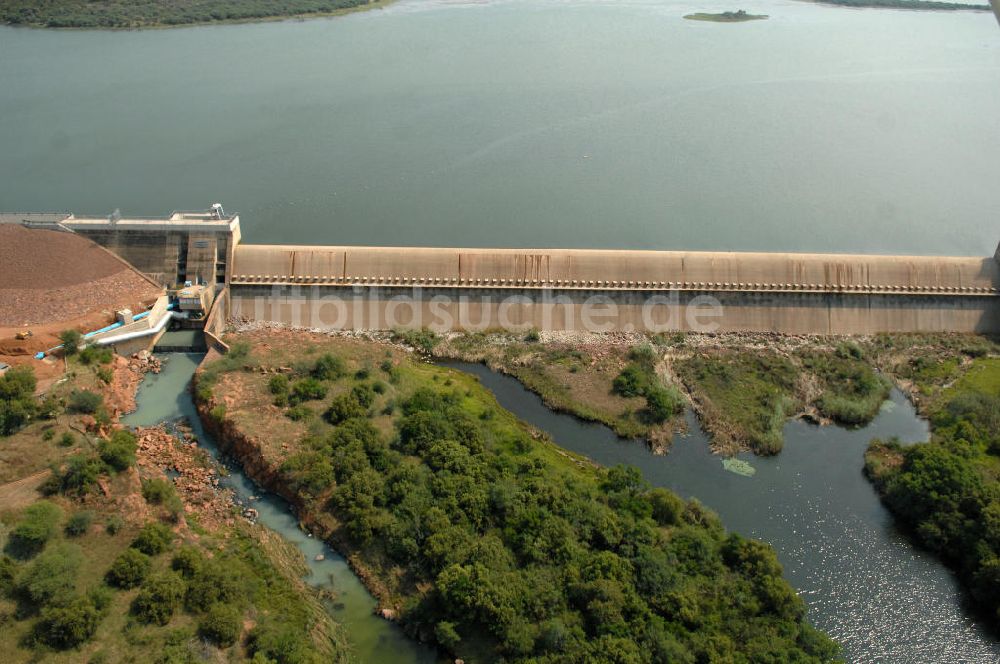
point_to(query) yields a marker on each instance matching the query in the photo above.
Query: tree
(154, 538)
(71, 340)
(85, 401)
(17, 399)
(38, 524)
(119, 451)
(329, 367)
(221, 625)
(158, 598)
(67, 626)
(51, 577)
(129, 569)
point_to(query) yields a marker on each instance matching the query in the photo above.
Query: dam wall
(479, 309)
(351, 287)
(602, 290)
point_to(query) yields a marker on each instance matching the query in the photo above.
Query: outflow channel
(165, 397)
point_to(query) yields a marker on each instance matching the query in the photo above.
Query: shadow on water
(165, 397)
(865, 584)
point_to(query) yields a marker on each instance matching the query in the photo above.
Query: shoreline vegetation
(120, 545)
(153, 14)
(475, 531)
(739, 16)
(946, 492)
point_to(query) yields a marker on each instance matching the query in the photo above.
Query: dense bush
(545, 563)
(278, 384)
(159, 597)
(153, 539)
(96, 355)
(160, 491)
(17, 399)
(68, 625)
(129, 569)
(307, 389)
(37, 525)
(638, 379)
(51, 577)
(221, 625)
(118, 451)
(79, 474)
(329, 367)
(85, 401)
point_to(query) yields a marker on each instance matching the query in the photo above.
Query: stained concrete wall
(529, 268)
(595, 310)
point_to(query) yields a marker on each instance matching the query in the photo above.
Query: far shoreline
(369, 6)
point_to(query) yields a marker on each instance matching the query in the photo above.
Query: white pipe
(140, 333)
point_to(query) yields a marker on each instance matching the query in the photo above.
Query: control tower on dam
(350, 287)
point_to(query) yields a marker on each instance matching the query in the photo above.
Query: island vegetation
(106, 559)
(738, 16)
(478, 533)
(155, 13)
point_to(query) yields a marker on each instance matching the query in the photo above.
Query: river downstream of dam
(165, 397)
(864, 583)
(526, 123)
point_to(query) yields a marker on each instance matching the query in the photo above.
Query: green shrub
(667, 506)
(278, 384)
(299, 413)
(79, 523)
(129, 569)
(221, 625)
(631, 382)
(188, 561)
(114, 524)
(96, 355)
(36, 526)
(328, 367)
(77, 477)
(67, 440)
(68, 626)
(663, 403)
(85, 401)
(105, 375)
(71, 340)
(532, 336)
(158, 598)
(445, 631)
(17, 399)
(157, 490)
(51, 577)
(307, 389)
(119, 451)
(153, 539)
(423, 340)
(215, 582)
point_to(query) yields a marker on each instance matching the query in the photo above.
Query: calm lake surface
(865, 585)
(588, 123)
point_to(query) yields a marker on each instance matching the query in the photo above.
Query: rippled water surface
(590, 123)
(864, 583)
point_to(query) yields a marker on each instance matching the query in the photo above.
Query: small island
(727, 17)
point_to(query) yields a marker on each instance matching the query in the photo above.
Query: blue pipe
(114, 326)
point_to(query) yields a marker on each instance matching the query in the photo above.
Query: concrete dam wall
(598, 290)
(346, 287)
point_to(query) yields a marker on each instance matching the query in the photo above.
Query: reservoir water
(588, 123)
(164, 397)
(865, 585)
